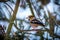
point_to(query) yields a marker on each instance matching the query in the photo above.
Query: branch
(13, 17)
(8, 6)
(29, 3)
(39, 30)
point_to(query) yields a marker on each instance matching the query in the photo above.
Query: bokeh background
(13, 19)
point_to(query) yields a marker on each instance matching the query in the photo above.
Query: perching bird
(33, 20)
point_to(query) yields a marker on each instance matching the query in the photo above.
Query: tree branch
(13, 17)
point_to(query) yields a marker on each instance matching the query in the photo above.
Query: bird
(33, 20)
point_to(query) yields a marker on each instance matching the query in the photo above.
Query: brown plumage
(33, 20)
